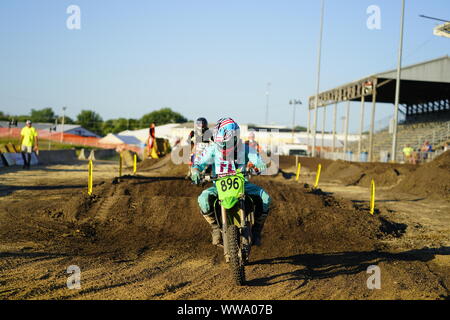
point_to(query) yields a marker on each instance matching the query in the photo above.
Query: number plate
(230, 186)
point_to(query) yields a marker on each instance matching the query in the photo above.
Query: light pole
(397, 88)
(293, 103)
(62, 124)
(316, 103)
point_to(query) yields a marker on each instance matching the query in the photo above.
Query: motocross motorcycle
(235, 213)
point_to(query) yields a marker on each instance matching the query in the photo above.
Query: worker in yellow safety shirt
(407, 152)
(29, 138)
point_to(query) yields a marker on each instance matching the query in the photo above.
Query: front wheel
(236, 261)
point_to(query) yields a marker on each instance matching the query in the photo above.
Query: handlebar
(213, 178)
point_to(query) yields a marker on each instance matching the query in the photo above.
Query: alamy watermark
(185, 153)
(74, 281)
(374, 19)
(374, 281)
(73, 21)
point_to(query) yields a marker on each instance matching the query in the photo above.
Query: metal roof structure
(424, 94)
(421, 83)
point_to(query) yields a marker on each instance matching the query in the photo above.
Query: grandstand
(413, 134)
(424, 105)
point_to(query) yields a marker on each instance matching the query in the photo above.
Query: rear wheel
(236, 261)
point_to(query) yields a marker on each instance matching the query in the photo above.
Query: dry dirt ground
(142, 237)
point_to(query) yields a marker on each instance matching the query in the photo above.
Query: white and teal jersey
(223, 165)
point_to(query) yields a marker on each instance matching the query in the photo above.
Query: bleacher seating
(437, 133)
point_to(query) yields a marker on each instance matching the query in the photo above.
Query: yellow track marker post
(372, 197)
(299, 167)
(90, 177)
(120, 164)
(135, 163)
(319, 169)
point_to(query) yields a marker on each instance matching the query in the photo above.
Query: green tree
(91, 121)
(4, 116)
(300, 128)
(119, 125)
(42, 115)
(162, 116)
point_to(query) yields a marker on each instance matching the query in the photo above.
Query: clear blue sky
(200, 57)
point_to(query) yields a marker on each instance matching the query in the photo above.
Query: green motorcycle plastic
(236, 223)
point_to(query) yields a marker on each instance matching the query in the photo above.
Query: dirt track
(143, 238)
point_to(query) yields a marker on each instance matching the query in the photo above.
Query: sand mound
(431, 179)
(350, 173)
(361, 174)
(147, 164)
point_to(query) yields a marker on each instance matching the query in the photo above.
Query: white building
(278, 139)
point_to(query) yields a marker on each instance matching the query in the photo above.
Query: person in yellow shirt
(407, 152)
(29, 138)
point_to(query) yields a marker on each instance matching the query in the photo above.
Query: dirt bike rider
(252, 142)
(228, 154)
(199, 139)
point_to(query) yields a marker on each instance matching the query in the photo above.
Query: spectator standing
(251, 142)
(151, 142)
(407, 153)
(426, 149)
(28, 140)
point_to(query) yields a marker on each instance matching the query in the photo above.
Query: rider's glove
(195, 176)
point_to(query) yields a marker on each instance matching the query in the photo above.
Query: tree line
(92, 121)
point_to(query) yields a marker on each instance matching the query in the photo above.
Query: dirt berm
(431, 179)
(351, 173)
(361, 174)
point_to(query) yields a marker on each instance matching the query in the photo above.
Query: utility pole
(267, 102)
(397, 88)
(62, 124)
(316, 104)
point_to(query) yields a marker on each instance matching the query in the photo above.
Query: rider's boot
(216, 232)
(257, 229)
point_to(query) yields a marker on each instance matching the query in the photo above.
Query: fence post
(319, 169)
(372, 197)
(90, 178)
(299, 167)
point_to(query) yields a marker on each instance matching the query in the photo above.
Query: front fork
(225, 224)
(224, 217)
